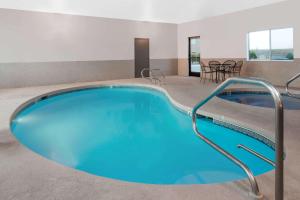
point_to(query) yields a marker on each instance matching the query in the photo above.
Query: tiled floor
(26, 175)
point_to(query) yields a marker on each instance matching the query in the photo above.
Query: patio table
(218, 69)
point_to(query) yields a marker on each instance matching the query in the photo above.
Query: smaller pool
(261, 99)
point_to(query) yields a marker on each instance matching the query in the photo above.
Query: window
(282, 44)
(276, 44)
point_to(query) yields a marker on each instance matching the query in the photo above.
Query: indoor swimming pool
(132, 134)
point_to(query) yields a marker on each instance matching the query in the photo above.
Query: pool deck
(26, 175)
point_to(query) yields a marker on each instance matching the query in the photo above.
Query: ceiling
(172, 11)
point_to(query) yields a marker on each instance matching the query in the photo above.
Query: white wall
(41, 37)
(30, 41)
(225, 36)
(42, 48)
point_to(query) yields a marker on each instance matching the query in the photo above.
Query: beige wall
(71, 48)
(46, 73)
(225, 37)
(31, 41)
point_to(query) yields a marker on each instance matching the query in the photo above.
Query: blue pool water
(260, 99)
(133, 134)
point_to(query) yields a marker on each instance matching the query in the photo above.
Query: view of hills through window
(276, 44)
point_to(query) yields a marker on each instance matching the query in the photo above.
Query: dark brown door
(141, 56)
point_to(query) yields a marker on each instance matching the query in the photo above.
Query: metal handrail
(257, 154)
(155, 77)
(142, 73)
(151, 77)
(278, 128)
(288, 83)
(160, 72)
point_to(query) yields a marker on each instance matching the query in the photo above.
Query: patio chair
(227, 68)
(238, 67)
(215, 68)
(206, 70)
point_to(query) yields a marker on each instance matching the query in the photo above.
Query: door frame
(189, 57)
(148, 59)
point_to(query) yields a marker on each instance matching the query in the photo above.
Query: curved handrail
(142, 72)
(156, 77)
(278, 127)
(241, 146)
(151, 77)
(288, 83)
(160, 72)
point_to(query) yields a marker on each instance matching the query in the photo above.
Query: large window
(276, 44)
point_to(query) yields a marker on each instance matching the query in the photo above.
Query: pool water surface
(133, 134)
(260, 99)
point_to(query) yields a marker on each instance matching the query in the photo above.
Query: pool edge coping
(217, 119)
(180, 107)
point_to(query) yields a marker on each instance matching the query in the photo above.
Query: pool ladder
(156, 76)
(288, 83)
(279, 184)
(257, 154)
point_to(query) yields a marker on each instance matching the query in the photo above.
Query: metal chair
(238, 67)
(215, 67)
(205, 70)
(227, 68)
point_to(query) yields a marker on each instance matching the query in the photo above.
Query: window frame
(270, 45)
(191, 73)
